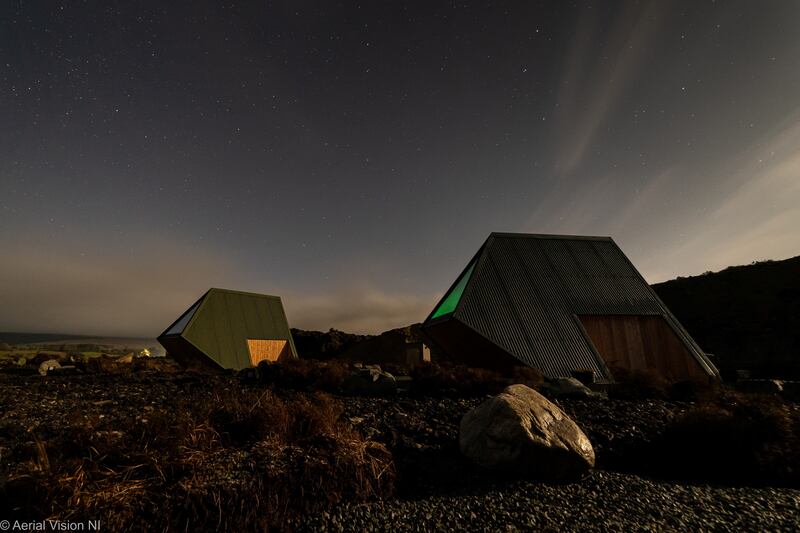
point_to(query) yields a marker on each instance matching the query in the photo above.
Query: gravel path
(604, 501)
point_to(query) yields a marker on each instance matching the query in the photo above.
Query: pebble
(603, 501)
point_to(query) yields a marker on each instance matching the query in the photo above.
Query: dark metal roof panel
(527, 289)
(518, 301)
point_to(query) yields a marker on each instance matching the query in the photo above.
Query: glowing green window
(450, 301)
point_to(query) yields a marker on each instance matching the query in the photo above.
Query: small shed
(401, 346)
(562, 304)
(230, 329)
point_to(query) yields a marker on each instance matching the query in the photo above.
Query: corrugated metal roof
(526, 291)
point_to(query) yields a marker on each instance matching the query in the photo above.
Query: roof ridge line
(554, 236)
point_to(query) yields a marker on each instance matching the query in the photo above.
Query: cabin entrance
(268, 350)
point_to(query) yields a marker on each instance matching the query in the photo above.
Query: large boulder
(520, 431)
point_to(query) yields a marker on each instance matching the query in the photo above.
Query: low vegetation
(644, 385)
(259, 448)
(231, 460)
(324, 345)
(732, 437)
(447, 379)
(427, 379)
(304, 374)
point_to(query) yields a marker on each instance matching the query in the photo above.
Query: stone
(370, 381)
(48, 355)
(47, 366)
(64, 370)
(519, 431)
(760, 386)
(567, 388)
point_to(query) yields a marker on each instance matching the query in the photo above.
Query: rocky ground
(437, 489)
(603, 501)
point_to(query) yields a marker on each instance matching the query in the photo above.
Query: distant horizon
(421, 319)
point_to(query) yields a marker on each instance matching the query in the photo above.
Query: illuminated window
(450, 301)
(268, 350)
(179, 326)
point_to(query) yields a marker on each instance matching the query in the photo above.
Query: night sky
(351, 157)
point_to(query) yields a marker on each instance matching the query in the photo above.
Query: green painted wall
(226, 319)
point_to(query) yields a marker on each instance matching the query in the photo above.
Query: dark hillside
(748, 316)
(388, 347)
(324, 345)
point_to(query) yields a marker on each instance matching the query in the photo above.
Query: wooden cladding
(268, 350)
(641, 342)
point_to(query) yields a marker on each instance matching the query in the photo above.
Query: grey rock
(370, 381)
(567, 388)
(760, 386)
(47, 355)
(520, 431)
(47, 366)
(63, 370)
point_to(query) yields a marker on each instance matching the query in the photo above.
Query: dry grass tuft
(305, 374)
(532, 377)
(645, 385)
(232, 460)
(445, 379)
(733, 437)
(637, 385)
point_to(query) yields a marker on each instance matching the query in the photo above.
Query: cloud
(755, 218)
(358, 309)
(687, 219)
(124, 294)
(116, 293)
(627, 46)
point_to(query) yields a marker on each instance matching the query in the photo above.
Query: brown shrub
(238, 459)
(437, 379)
(532, 377)
(637, 385)
(106, 365)
(693, 390)
(165, 365)
(645, 384)
(396, 369)
(734, 437)
(304, 374)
